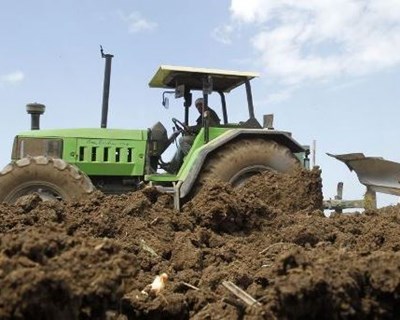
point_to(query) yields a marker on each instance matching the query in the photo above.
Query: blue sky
(329, 68)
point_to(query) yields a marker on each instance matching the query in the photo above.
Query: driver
(186, 141)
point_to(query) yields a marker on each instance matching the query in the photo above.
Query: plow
(377, 174)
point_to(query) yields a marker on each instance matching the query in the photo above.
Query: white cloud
(300, 40)
(223, 34)
(137, 23)
(277, 97)
(12, 78)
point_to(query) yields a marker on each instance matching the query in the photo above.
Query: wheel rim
(46, 191)
(245, 174)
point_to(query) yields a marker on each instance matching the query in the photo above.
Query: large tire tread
(238, 155)
(69, 179)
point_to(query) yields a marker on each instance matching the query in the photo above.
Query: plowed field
(92, 259)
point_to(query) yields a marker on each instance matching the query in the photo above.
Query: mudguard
(190, 172)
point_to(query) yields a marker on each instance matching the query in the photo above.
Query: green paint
(108, 152)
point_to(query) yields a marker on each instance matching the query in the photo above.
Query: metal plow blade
(376, 173)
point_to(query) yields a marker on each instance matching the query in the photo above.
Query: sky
(329, 69)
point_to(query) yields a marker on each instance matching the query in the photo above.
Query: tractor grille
(106, 154)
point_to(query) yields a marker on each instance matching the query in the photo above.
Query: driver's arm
(197, 127)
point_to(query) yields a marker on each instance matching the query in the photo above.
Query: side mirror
(165, 100)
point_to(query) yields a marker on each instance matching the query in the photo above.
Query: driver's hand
(176, 133)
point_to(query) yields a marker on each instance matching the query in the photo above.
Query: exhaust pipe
(106, 87)
(35, 110)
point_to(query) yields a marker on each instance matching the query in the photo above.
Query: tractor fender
(189, 176)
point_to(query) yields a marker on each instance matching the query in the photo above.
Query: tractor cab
(182, 82)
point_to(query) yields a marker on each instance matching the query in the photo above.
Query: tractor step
(174, 190)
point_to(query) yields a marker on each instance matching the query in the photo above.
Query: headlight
(24, 147)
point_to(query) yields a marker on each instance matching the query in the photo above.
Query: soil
(94, 259)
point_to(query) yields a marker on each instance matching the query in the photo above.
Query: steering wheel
(181, 127)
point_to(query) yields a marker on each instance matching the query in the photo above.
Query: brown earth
(91, 259)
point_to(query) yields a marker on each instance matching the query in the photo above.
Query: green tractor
(68, 164)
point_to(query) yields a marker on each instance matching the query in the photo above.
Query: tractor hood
(91, 133)
(97, 152)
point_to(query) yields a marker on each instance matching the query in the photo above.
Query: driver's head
(199, 104)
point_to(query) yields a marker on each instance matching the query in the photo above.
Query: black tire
(238, 161)
(50, 178)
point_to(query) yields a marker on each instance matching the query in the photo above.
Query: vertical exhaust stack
(35, 110)
(106, 87)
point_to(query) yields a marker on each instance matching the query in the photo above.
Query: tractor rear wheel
(51, 179)
(238, 161)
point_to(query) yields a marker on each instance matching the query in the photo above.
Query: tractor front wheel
(51, 179)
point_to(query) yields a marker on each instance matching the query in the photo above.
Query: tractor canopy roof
(192, 78)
